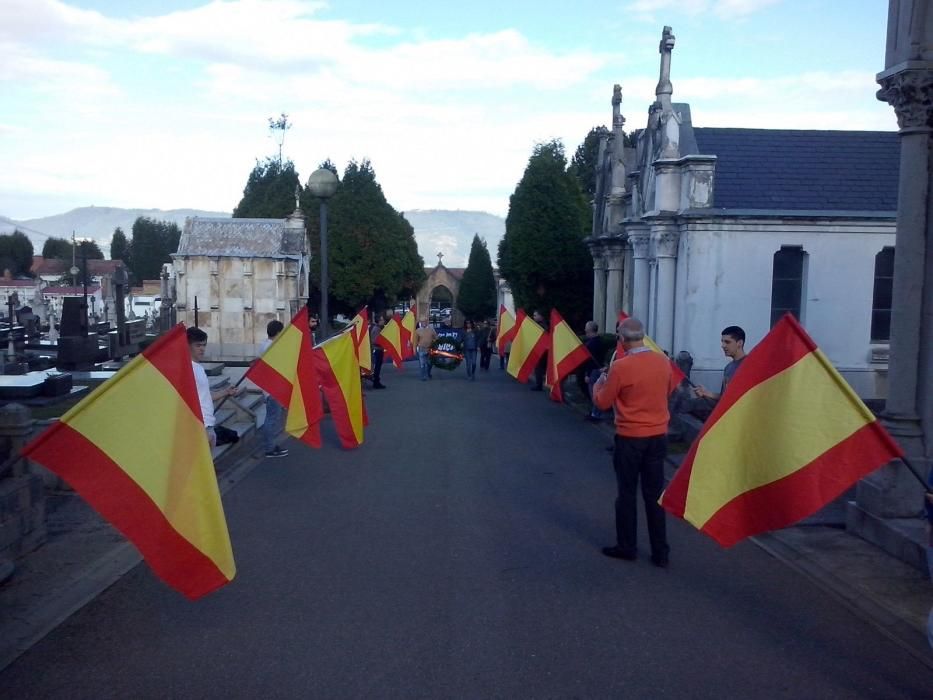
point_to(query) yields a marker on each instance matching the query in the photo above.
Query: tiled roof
(803, 170)
(70, 291)
(17, 283)
(241, 238)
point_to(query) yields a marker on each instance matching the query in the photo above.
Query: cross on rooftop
(439, 260)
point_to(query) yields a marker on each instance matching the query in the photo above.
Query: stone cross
(664, 89)
(439, 260)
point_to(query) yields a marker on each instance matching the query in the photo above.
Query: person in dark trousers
(591, 369)
(484, 337)
(275, 414)
(637, 386)
(375, 328)
(470, 345)
(541, 367)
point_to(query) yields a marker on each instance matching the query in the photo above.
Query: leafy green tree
(372, 255)
(477, 297)
(90, 249)
(269, 191)
(584, 161)
(15, 253)
(119, 246)
(542, 254)
(57, 248)
(152, 245)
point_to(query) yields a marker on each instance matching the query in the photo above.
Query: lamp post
(323, 184)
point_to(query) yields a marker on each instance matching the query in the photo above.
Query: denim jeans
(469, 357)
(424, 363)
(272, 425)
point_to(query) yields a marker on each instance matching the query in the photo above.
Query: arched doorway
(441, 306)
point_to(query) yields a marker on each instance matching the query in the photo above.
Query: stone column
(664, 241)
(22, 495)
(907, 84)
(615, 260)
(627, 266)
(598, 251)
(638, 239)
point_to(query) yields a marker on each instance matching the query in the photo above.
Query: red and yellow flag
(786, 438)
(285, 371)
(566, 354)
(339, 374)
(155, 484)
(361, 343)
(408, 325)
(677, 374)
(506, 329)
(390, 339)
(528, 345)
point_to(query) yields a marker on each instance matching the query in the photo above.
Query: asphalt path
(456, 555)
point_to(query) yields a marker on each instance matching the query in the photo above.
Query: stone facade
(687, 224)
(243, 273)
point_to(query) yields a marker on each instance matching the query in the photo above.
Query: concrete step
(213, 369)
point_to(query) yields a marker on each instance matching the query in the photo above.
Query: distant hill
(94, 222)
(451, 232)
(447, 231)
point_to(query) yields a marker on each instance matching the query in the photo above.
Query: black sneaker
(277, 452)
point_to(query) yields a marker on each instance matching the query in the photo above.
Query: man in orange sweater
(637, 386)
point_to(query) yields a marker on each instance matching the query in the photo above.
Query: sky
(165, 103)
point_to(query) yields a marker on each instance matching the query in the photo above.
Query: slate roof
(855, 171)
(241, 238)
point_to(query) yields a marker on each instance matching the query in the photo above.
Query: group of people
(636, 384)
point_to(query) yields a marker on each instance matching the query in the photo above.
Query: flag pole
(913, 470)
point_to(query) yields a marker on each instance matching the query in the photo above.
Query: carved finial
(617, 119)
(440, 255)
(664, 88)
(297, 197)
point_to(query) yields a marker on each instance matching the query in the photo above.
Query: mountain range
(436, 230)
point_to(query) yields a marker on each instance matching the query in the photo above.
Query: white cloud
(648, 10)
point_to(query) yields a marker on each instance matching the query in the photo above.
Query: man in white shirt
(197, 343)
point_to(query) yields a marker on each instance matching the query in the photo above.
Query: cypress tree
(542, 255)
(372, 254)
(269, 191)
(477, 296)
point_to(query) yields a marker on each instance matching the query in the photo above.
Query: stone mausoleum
(242, 273)
(696, 229)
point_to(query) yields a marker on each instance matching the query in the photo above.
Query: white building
(242, 273)
(696, 229)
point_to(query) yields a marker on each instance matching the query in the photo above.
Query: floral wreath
(446, 352)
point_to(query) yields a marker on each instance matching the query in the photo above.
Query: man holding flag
(637, 386)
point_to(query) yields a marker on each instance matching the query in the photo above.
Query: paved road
(456, 554)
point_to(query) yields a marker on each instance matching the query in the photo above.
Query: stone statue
(664, 89)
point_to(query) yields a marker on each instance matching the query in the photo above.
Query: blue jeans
(470, 358)
(272, 426)
(424, 363)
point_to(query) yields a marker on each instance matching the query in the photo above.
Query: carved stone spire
(618, 121)
(664, 90)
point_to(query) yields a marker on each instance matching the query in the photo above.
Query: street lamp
(323, 184)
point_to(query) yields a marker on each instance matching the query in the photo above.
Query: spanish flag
(506, 329)
(528, 345)
(677, 374)
(408, 325)
(390, 339)
(285, 371)
(361, 343)
(339, 374)
(567, 353)
(786, 438)
(136, 450)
